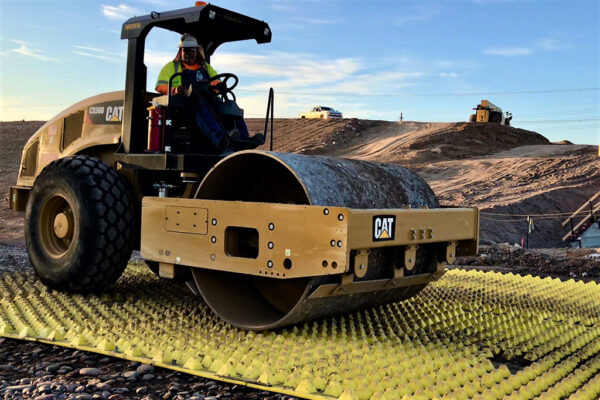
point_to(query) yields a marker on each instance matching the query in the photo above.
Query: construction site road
(471, 335)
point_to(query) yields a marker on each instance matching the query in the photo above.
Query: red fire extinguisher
(156, 128)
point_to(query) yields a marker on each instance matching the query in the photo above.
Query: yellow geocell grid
(436, 345)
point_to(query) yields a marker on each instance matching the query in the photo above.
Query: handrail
(270, 107)
(586, 204)
(583, 221)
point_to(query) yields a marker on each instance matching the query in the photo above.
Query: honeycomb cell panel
(470, 335)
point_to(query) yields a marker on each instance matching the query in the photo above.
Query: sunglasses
(189, 49)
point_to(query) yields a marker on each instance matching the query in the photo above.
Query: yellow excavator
(487, 111)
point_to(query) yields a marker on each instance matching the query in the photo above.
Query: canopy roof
(211, 25)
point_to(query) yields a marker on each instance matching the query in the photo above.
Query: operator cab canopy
(211, 25)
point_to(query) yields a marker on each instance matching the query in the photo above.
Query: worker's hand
(218, 87)
(177, 90)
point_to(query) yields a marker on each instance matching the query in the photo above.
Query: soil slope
(501, 170)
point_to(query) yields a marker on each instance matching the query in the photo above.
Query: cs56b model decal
(110, 112)
(383, 227)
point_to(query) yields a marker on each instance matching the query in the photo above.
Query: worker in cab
(189, 57)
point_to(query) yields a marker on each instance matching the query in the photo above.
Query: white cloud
(382, 83)
(547, 44)
(303, 80)
(508, 51)
(121, 12)
(290, 70)
(283, 7)
(552, 44)
(157, 59)
(99, 54)
(27, 49)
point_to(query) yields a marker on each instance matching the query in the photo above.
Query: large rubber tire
(80, 224)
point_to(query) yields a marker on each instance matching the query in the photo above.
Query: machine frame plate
(288, 240)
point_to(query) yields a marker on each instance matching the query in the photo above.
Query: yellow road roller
(267, 239)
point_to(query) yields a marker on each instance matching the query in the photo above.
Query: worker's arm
(211, 70)
(162, 83)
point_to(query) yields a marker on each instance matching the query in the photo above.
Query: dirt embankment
(13, 136)
(315, 136)
(500, 169)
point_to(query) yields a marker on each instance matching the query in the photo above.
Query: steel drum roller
(259, 303)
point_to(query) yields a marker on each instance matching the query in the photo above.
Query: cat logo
(383, 227)
(114, 114)
(106, 113)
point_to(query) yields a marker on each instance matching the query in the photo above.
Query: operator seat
(204, 123)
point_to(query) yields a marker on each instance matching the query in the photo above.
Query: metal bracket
(449, 257)
(347, 280)
(451, 252)
(166, 270)
(410, 257)
(398, 276)
(361, 262)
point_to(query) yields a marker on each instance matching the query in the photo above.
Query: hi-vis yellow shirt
(176, 66)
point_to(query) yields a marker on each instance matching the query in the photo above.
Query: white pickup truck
(321, 112)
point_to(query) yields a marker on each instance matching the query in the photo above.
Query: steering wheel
(223, 86)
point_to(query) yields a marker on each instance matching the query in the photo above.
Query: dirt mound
(563, 142)
(313, 136)
(467, 140)
(527, 180)
(407, 143)
(13, 136)
(419, 143)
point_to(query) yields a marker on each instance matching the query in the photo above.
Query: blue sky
(430, 60)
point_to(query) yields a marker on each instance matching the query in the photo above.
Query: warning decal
(383, 227)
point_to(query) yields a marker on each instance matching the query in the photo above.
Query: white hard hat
(188, 40)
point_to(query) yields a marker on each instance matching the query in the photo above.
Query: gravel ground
(562, 263)
(38, 371)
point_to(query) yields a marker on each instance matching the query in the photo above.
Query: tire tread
(105, 245)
